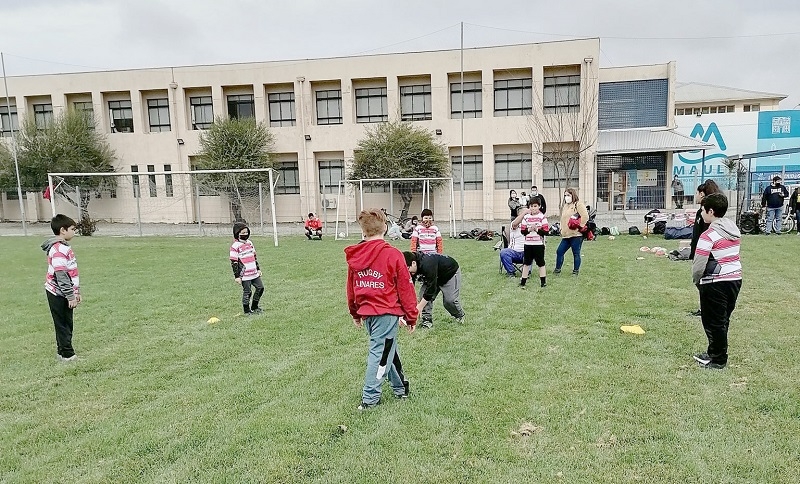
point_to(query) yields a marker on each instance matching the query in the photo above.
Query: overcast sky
(727, 42)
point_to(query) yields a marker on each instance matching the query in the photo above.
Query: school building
(318, 110)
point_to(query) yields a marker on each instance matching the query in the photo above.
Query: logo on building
(781, 125)
(705, 135)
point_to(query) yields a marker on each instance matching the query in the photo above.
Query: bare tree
(563, 129)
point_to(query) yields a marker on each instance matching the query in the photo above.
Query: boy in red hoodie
(380, 296)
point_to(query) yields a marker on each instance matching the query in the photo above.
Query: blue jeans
(773, 214)
(508, 257)
(383, 359)
(573, 243)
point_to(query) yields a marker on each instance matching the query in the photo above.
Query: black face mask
(244, 236)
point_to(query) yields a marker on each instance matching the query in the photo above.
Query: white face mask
(567, 198)
(534, 193)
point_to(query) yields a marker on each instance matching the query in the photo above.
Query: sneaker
(460, 320)
(695, 313)
(711, 366)
(702, 358)
(522, 287)
(403, 395)
(556, 271)
(256, 311)
(426, 323)
(366, 406)
(574, 273)
(63, 359)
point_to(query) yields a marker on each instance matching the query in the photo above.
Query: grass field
(160, 395)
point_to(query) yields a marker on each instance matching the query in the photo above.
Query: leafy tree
(401, 150)
(234, 144)
(68, 144)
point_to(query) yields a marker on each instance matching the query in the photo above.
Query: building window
(329, 107)
(241, 106)
(473, 171)
(330, 173)
(513, 171)
(371, 105)
(42, 115)
(151, 181)
(513, 97)
(472, 100)
(281, 109)
(562, 94)
(158, 113)
(633, 104)
(121, 116)
(415, 102)
(678, 112)
(202, 112)
(748, 108)
(168, 181)
(87, 109)
(8, 121)
(135, 179)
(554, 174)
(288, 179)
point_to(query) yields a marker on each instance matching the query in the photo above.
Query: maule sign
(732, 133)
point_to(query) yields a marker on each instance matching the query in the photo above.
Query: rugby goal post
(195, 202)
(402, 198)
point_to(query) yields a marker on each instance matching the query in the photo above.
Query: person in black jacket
(794, 207)
(438, 273)
(535, 195)
(703, 190)
(513, 203)
(772, 199)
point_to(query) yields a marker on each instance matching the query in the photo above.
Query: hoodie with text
(378, 282)
(717, 256)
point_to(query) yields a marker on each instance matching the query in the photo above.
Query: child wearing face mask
(246, 271)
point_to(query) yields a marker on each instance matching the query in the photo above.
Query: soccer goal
(401, 199)
(197, 202)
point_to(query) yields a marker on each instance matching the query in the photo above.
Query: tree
(67, 144)
(401, 150)
(562, 133)
(234, 144)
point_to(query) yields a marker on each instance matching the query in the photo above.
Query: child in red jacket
(380, 296)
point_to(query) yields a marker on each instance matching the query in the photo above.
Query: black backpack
(634, 230)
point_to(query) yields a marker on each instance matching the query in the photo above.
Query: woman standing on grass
(573, 221)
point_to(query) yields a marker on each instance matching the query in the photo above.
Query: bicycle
(755, 221)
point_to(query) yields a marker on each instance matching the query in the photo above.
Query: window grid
(513, 97)
(135, 179)
(473, 103)
(42, 115)
(202, 111)
(562, 94)
(281, 109)
(8, 122)
(121, 116)
(168, 182)
(288, 178)
(158, 114)
(87, 109)
(633, 104)
(513, 170)
(330, 173)
(372, 105)
(473, 171)
(553, 172)
(415, 102)
(329, 106)
(752, 108)
(241, 106)
(151, 181)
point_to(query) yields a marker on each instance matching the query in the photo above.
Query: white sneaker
(71, 358)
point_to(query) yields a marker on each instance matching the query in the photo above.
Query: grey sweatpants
(451, 297)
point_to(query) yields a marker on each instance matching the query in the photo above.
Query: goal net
(400, 198)
(198, 202)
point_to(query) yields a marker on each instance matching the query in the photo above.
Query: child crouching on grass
(246, 271)
(61, 283)
(380, 296)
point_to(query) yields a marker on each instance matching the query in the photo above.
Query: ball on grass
(341, 235)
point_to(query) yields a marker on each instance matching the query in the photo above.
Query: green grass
(159, 395)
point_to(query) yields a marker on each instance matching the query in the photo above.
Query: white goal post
(195, 202)
(395, 196)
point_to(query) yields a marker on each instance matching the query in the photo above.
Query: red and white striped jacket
(717, 256)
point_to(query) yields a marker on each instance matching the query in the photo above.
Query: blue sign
(711, 134)
(779, 130)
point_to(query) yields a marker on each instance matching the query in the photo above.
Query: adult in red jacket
(380, 296)
(313, 226)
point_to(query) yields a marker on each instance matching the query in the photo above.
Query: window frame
(42, 116)
(198, 105)
(81, 107)
(282, 187)
(169, 189)
(330, 95)
(151, 181)
(473, 88)
(525, 160)
(159, 109)
(237, 101)
(550, 178)
(502, 91)
(121, 108)
(274, 99)
(474, 182)
(571, 83)
(13, 120)
(372, 95)
(416, 94)
(137, 189)
(329, 166)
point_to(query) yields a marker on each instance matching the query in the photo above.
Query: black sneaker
(367, 406)
(426, 323)
(255, 311)
(711, 366)
(574, 273)
(404, 395)
(695, 313)
(702, 358)
(556, 271)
